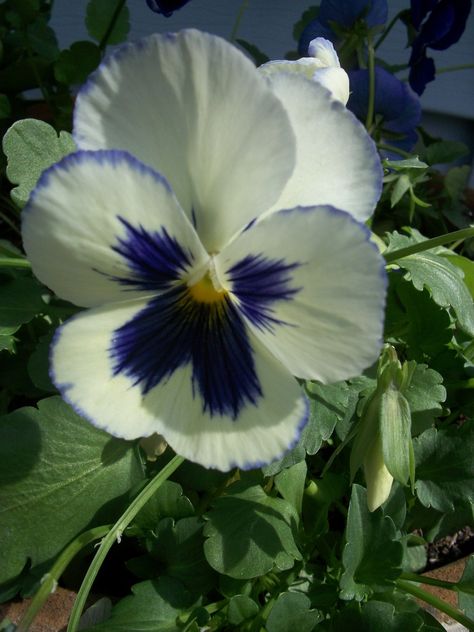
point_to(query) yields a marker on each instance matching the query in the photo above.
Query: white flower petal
(312, 288)
(337, 162)
(82, 369)
(194, 108)
(336, 80)
(323, 50)
(80, 210)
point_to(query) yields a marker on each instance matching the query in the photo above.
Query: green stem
(430, 581)
(114, 535)
(436, 602)
(390, 26)
(454, 68)
(238, 20)
(49, 580)
(395, 150)
(37, 76)
(12, 262)
(447, 238)
(113, 20)
(371, 68)
(10, 223)
(464, 384)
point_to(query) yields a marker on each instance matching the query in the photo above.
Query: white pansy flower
(208, 222)
(321, 66)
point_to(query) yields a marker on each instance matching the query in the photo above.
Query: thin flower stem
(113, 21)
(49, 580)
(114, 535)
(436, 602)
(390, 26)
(447, 238)
(10, 223)
(393, 149)
(431, 581)
(462, 384)
(454, 68)
(12, 262)
(371, 68)
(238, 20)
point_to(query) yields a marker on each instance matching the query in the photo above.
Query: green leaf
(444, 151)
(372, 555)
(424, 395)
(98, 19)
(178, 547)
(291, 612)
(402, 185)
(291, 482)
(249, 533)
(467, 266)
(241, 608)
(153, 607)
(31, 146)
(38, 365)
(42, 40)
(75, 64)
(60, 475)
(456, 181)
(378, 616)
(445, 283)
(168, 502)
(20, 301)
(445, 467)
(330, 404)
(5, 106)
(401, 165)
(408, 310)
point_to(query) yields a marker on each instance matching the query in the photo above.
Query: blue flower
(439, 23)
(395, 105)
(166, 7)
(213, 262)
(345, 14)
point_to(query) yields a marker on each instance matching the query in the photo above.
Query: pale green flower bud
(383, 445)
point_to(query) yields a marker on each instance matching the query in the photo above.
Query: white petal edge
(337, 162)
(335, 320)
(71, 223)
(82, 371)
(336, 81)
(194, 108)
(323, 50)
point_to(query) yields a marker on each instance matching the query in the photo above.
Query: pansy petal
(94, 226)
(335, 80)
(337, 162)
(194, 108)
(83, 370)
(312, 288)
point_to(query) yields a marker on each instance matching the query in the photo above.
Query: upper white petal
(195, 108)
(337, 162)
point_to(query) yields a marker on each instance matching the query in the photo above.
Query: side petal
(194, 108)
(83, 370)
(336, 161)
(311, 286)
(100, 226)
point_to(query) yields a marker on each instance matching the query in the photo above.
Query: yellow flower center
(204, 291)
